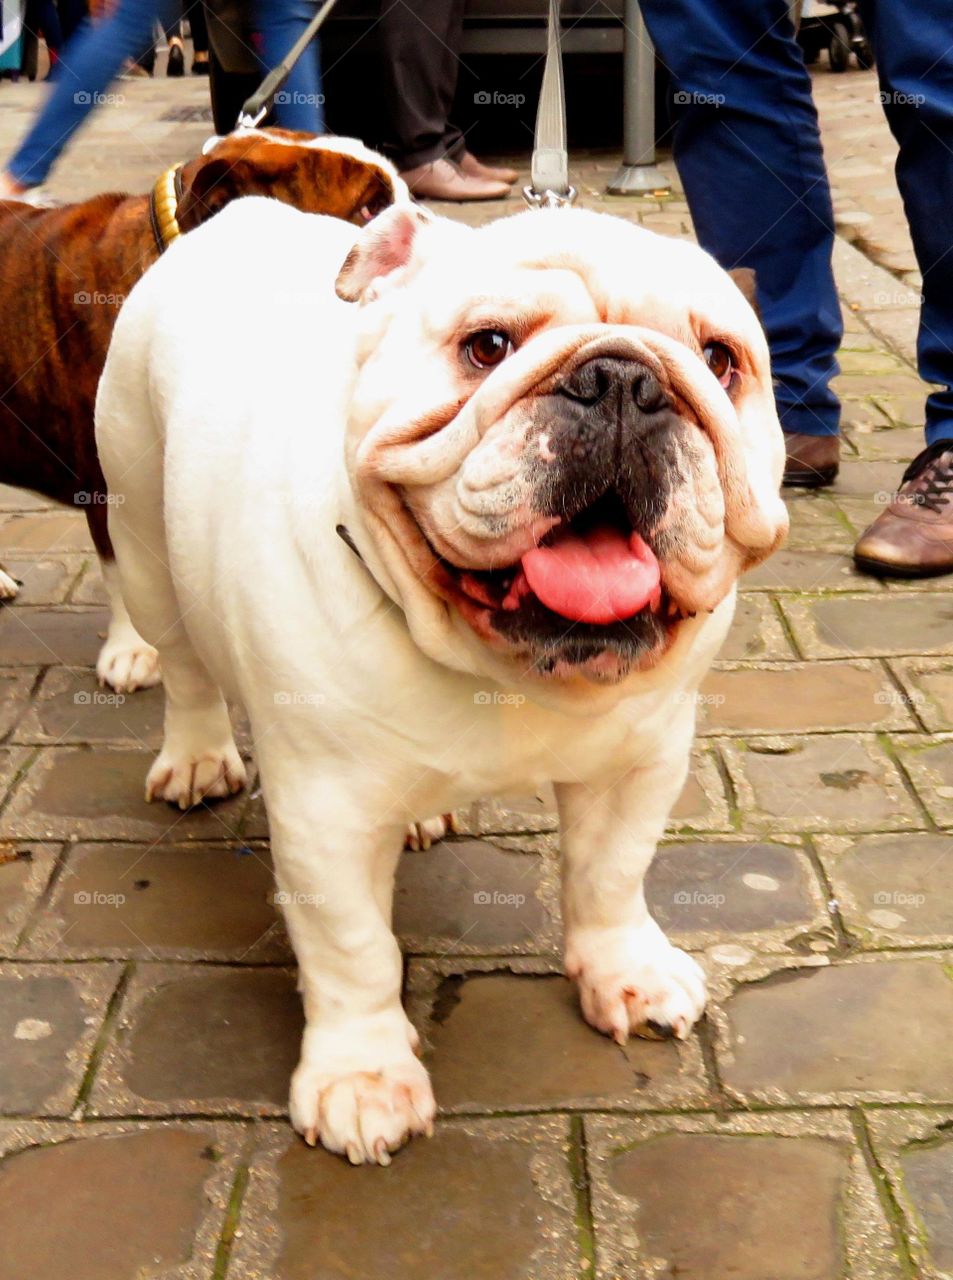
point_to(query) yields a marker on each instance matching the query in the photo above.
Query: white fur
(221, 420)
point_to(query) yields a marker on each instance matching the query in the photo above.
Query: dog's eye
(488, 348)
(720, 361)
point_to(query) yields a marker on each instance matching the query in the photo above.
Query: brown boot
(913, 538)
(444, 181)
(812, 460)
(467, 163)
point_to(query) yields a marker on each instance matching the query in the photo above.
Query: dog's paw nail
(381, 1154)
(311, 1137)
(664, 1030)
(353, 1154)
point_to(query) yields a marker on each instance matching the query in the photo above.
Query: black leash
(260, 103)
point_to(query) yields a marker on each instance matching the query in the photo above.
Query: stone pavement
(148, 1018)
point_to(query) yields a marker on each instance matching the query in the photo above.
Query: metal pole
(638, 173)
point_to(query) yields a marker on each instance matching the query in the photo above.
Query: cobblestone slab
(33, 637)
(114, 1201)
(800, 697)
(832, 782)
(74, 793)
(928, 683)
(751, 1197)
(70, 706)
(150, 902)
(916, 1150)
(734, 891)
(25, 870)
(50, 1017)
(893, 889)
(930, 765)
(871, 626)
(513, 1040)
(15, 686)
(484, 1200)
(871, 1029)
(204, 1039)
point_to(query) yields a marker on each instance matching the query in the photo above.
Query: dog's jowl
(552, 446)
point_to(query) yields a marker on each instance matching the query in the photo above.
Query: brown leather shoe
(913, 538)
(812, 460)
(444, 181)
(467, 162)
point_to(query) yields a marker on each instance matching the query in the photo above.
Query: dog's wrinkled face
(335, 176)
(563, 430)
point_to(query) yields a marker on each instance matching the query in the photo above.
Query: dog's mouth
(593, 584)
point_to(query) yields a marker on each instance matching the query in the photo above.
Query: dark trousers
(420, 42)
(749, 155)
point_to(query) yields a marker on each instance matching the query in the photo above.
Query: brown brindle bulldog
(64, 273)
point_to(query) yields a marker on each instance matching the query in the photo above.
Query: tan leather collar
(163, 207)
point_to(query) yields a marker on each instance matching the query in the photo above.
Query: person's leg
(420, 45)
(300, 104)
(749, 156)
(914, 52)
(88, 65)
(195, 13)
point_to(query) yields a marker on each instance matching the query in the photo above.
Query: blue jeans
(300, 103)
(87, 67)
(749, 155)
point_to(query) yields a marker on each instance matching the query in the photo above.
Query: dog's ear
(746, 282)
(210, 184)
(388, 248)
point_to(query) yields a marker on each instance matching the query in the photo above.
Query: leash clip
(549, 199)
(248, 121)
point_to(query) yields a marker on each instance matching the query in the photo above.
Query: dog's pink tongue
(601, 576)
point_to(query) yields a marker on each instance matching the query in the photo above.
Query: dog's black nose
(621, 381)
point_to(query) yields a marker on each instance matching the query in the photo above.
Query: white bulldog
(451, 512)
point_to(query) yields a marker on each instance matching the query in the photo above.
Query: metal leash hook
(259, 104)
(549, 184)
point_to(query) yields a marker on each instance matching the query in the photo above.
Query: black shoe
(176, 63)
(200, 68)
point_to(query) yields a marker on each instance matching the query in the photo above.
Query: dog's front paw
(422, 834)
(127, 663)
(8, 586)
(362, 1114)
(634, 981)
(188, 778)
